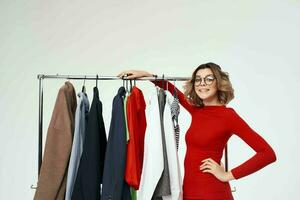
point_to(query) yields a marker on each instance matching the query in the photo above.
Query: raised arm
(264, 152)
(170, 87)
(131, 74)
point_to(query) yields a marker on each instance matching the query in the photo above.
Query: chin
(203, 97)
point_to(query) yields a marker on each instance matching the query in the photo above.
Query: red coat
(136, 120)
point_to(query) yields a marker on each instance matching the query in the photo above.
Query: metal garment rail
(41, 77)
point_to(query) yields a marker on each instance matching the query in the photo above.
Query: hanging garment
(175, 110)
(173, 161)
(53, 175)
(125, 114)
(153, 163)
(163, 185)
(132, 190)
(81, 115)
(184, 116)
(209, 142)
(184, 121)
(166, 85)
(90, 170)
(114, 185)
(136, 125)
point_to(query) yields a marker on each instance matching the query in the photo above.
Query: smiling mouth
(203, 90)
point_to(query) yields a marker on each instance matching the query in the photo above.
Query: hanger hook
(33, 187)
(123, 80)
(175, 91)
(97, 80)
(83, 87)
(130, 84)
(234, 189)
(167, 85)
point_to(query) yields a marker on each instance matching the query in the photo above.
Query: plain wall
(256, 41)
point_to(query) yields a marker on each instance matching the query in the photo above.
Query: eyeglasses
(208, 80)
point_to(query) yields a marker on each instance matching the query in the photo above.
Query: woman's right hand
(131, 74)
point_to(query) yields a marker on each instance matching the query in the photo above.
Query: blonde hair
(225, 91)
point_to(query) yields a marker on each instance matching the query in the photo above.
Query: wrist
(229, 176)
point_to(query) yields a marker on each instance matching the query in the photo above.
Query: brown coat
(53, 174)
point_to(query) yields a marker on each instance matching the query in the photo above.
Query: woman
(213, 123)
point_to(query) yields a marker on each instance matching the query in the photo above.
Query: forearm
(257, 162)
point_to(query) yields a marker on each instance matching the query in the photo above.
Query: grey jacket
(81, 117)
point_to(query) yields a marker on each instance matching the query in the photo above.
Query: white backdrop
(256, 41)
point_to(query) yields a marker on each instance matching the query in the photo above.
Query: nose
(202, 83)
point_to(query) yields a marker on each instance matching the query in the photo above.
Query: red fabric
(136, 120)
(210, 129)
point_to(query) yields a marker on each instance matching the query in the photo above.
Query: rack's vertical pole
(40, 129)
(226, 158)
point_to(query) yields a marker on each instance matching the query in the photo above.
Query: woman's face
(206, 84)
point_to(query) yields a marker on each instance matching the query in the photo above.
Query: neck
(213, 102)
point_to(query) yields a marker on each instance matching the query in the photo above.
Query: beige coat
(53, 175)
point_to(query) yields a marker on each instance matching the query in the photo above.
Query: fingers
(126, 72)
(208, 171)
(132, 74)
(209, 160)
(207, 168)
(214, 168)
(206, 165)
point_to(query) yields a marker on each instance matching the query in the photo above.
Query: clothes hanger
(174, 86)
(123, 80)
(130, 89)
(167, 85)
(125, 84)
(155, 80)
(126, 88)
(83, 90)
(163, 81)
(97, 81)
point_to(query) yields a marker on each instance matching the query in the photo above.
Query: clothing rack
(41, 78)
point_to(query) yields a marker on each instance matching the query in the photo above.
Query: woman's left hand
(211, 166)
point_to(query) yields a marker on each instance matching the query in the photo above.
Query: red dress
(210, 129)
